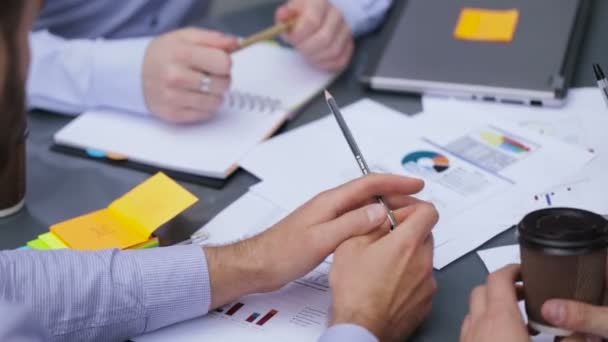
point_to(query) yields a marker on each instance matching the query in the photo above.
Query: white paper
(582, 122)
(478, 195)
(269, 82)
(248, 216)
(302, 310)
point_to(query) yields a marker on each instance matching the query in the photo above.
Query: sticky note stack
(127, 223)
(478, 24)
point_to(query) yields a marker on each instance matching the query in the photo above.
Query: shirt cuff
(362, 15)
(348, 332)
(117, 79)
(176, 284)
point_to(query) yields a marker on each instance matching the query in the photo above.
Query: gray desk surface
(61, 187)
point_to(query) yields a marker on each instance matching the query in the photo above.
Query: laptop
(424, 52)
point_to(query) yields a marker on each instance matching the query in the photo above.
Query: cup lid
(564, 228)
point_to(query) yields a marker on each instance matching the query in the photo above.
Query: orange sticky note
(479, 24)
(130, 220)
(98, 230)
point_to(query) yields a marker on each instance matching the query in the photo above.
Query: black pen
(356, 152)
(602, 82)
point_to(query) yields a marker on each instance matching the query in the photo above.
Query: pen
(356, 152)
(602, 82)
(266, 34)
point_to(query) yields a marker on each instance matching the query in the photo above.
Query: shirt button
(154, 22)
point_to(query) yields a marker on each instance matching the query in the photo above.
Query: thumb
(577, 316)
(285, 12)
(354, 223)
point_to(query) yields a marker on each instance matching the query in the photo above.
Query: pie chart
(427, 160)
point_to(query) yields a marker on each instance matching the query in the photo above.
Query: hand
(321, 33)
(175, 65)
(300, 242)
(384, 281)
(589, 321)
(494, 314)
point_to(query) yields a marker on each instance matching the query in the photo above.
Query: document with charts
(298, 312)
(477, 172)
(269, 83)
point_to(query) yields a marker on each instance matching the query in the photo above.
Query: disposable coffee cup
(563, 256)
(12, 177)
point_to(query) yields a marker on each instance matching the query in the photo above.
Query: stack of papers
(476, 169)
(482, 171)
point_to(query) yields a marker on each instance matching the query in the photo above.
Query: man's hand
(493, 313)
(321, 34)
(301, 241)
(590, 322)
(186, 74)
(384, 281)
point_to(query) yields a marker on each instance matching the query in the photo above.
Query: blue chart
(427, 160)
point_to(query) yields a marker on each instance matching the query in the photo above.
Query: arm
(106, 295)
(72, 76)
(363, 15)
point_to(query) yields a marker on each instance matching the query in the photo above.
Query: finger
(414, 230)
(576, 316)
(321, 40)
(478, 302)
(338, 46)
(464, 331)
(330, 234)
(400, 215)
(400, 201)
(357, 192)
(501, 286)
(285, 13)
(188, 79)
(185, 116)
(205, 59)
(209, 38)
(310, 20)
(178, 100)
(341, 62)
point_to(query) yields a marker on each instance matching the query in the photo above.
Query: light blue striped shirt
(111, 295)
(89, 54)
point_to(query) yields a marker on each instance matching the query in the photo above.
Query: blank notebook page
(269, 82)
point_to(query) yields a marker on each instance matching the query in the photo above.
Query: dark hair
(12, 92)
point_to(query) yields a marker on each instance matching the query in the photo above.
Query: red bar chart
(267, 317)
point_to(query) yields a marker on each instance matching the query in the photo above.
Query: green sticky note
(38, 244)
(52, 241)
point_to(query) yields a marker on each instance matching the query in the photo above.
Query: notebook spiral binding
(252, 102)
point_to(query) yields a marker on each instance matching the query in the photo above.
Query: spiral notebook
(269, 84)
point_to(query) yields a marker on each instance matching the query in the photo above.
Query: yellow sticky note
(128, 221)
(98, 230)
(154, 202)
(52, 241)
(487, 25)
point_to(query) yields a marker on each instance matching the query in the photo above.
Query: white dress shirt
(89, 54)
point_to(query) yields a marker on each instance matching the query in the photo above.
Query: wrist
(363, 318)
(234, 272)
